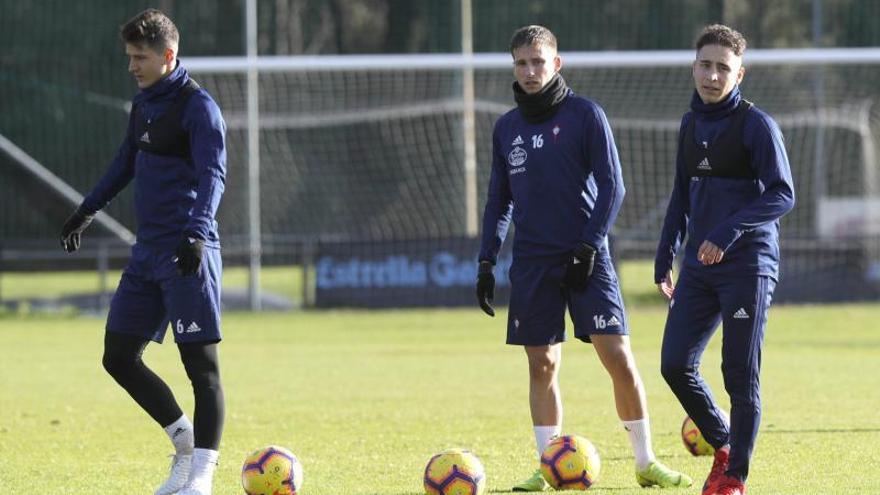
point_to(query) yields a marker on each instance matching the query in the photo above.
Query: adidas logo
(741, 314)
(178, 431)
(193, 328)
(518, 141)
(146, 137)
(614, 322)
(704, 165)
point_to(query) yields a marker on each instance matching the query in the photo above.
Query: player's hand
(579, 269)
(189, 255)
(709, 253)
(485, 287)
(73, 228)
(667, 285)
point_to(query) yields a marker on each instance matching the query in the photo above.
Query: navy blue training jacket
(173, 196)
(559, 181)
(741, 217)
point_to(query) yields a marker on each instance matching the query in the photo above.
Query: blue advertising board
(412, 273)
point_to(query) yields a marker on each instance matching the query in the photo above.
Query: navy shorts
(538, 302)
(152, 294)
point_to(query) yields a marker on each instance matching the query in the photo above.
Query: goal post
(370, 146)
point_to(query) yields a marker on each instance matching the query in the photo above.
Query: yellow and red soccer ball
(455, 472)
(272, 470)
(693, 439)
(570, 462)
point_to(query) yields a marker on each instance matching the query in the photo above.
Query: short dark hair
(719, 34)
(152, 28)
(531, 36)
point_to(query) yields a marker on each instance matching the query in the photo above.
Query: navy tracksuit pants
(700, 301)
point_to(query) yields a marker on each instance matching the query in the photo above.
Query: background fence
(373, 157)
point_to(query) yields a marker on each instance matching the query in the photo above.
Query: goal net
(372, 148)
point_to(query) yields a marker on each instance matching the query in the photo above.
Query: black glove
(73, 227)
(578, 271)
(486, 287)
(189, 255)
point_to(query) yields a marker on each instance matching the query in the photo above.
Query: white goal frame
(466, 63)
(452, 61)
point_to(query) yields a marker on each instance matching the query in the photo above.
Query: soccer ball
(271, 471)
(570, 462)
(455, 472)
(693, 439)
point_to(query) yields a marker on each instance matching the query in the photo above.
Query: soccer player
(732, 184)
(556, 175)
(174, 150)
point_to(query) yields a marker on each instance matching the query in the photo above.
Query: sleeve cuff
(724, 239)
(595, 243)
(659, 273)
(195, 233)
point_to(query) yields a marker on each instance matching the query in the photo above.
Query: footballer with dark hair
(732, 185)
(174, 150)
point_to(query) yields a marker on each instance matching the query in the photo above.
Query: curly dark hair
(719, 34)
(152, 28)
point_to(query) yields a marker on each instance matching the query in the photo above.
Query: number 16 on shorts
(600, 322)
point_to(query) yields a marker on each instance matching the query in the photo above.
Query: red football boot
(728, 485)
(719, 466)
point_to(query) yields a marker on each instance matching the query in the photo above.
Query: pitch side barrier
(398, 274)
(441, 272)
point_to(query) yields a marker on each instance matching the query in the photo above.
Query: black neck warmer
(542, 105)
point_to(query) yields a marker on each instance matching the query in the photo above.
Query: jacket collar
(168, 84)
(716, 111)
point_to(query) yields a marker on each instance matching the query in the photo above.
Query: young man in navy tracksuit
(175, 152)
(556, 175)
(732, 184)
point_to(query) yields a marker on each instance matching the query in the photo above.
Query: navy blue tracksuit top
(558, 180)
(739, 216)
(173, 196)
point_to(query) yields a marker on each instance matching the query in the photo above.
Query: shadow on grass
(821, 430)
(593, 489)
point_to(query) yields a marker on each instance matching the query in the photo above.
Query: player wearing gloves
(556, 176)
(174, 150)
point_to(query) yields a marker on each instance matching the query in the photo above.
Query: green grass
(285, 281)
(364, 398)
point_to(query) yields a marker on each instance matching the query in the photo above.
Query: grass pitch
(364, 398)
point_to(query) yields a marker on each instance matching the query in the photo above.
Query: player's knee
(122, 354)
(202, 366)
(676, 374)
(109, 363)
(543, 367)
(742, 385)
(205, 380)
(203, 373)
(117, 364)
(624, 372)
(738, 373)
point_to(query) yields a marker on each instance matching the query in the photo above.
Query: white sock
(181, 434)
(639, 432)
(203, 464)
(543, 435)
